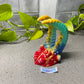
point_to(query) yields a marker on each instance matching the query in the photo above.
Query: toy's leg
(59, 57)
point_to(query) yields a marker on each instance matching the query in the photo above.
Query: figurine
(49, 52)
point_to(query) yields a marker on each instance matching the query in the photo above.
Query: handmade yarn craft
(49, 53)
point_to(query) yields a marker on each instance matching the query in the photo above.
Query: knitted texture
(49, 53)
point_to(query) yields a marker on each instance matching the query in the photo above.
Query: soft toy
(49, 52)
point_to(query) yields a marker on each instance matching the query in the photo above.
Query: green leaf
(81, 16)
(75, 19)
(80, 7)
(69, 26)
(27, 20)
(5, 12)
(37, 35)
(71, 19)
(8, 36)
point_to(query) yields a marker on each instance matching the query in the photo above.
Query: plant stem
(78, 22)
(20, 36)
(21, 26)
(1, 26)
(36, 29)
(10, 24)
(78, 26)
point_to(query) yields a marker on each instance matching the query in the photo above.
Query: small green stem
(78, 21)
(20, 37)
(36, 29)
(78, 26)
(7, 28)
(1, 26)
(32, 29)
(21, 26)
(10, 24)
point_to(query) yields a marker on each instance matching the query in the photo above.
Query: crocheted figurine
(49, 52)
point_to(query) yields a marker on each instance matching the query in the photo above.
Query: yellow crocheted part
(50, 27)
(44, 17)
(59, 41)
(50, 21)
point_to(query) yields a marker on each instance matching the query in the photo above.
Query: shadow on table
(67, 55)
(80, 32)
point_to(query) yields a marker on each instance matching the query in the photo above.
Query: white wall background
(60, 9)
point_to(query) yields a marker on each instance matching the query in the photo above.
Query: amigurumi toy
(49, 52)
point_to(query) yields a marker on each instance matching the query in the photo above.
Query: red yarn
(45, 57)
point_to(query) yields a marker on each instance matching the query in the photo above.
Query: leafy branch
(9, 34)
(31, 24)
(77, 22)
